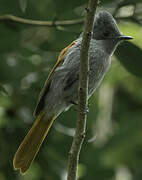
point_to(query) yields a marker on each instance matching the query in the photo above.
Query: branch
(40, 23)
(82, 93)
(130, 18)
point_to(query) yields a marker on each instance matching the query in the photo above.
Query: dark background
(114, 124)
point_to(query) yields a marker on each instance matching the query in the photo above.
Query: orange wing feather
(60, 58)
(44, 90)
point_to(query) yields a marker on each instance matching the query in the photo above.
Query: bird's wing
(45, 89)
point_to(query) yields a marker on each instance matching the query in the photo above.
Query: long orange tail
(31, 144)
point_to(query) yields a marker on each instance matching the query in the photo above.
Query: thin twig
(82, 93)
(130, 18)
(40, 23)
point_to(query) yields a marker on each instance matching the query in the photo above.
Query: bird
(60, 90)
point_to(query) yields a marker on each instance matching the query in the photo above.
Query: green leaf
(105, 2)
(9, 36)
(2, 89)
(130, 55)
(9, 7)
(125, 2)
(23, 5)
(63, 5)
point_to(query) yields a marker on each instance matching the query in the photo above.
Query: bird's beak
(123, 37)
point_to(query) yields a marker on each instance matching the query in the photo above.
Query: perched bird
(60, 90)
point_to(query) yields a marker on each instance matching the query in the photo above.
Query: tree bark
(82, 93)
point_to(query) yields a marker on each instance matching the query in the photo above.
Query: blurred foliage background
(113, 146)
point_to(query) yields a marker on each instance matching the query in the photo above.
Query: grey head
(106, 30)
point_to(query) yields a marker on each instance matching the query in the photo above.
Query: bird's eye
(106, 33)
